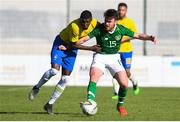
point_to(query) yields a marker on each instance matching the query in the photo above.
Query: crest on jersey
(118, 37)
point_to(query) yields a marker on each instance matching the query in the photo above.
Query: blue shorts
(64, 58)
(126, 58)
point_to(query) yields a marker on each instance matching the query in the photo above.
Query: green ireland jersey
(110, 42)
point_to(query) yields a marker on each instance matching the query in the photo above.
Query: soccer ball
(89, 107)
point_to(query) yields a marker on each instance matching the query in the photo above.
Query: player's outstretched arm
(143, 36)
(126, 39)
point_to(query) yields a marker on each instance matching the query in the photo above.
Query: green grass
(151, 104)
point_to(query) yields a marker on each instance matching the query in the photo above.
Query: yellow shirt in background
(73, 32)
(130, 24)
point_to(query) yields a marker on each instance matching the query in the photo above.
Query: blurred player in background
(126, 49)
(65, 58)
(108, 36)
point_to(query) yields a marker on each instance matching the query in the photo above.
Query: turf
(150, 104)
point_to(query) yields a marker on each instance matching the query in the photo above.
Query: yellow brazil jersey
(73, 32)
(128, 23)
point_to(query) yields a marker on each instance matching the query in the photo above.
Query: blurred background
(28, 28)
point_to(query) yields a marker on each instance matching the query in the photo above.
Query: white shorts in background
(110, 61)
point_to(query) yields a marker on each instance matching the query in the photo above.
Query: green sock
(91, 90)
(122, 93)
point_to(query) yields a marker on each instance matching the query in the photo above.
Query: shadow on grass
(56, 113)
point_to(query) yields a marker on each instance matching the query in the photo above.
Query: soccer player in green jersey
(108, 36)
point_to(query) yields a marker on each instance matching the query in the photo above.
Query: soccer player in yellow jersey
(126, 49)
(65, 58)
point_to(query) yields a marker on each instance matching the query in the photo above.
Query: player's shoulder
(94, 22)
(74, 24)
(129, 20)
(120, 26)
(99, 28)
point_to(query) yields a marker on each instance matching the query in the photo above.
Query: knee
(124, 85)
(95, 74)
(64, 80)
(93, 77)
(53, 71)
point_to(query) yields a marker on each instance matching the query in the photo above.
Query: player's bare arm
(78, 44)
(143, 36)
(82, 40)
(126, 39)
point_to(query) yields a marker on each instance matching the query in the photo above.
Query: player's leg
(136, 89)
(115, 89)
(96, 71)
(95, 74)
(122, 79)
(56, 59)
(67, 67)
(118, 72)
(126, 59)
(116, 85)
(60, 87)
(48, 74)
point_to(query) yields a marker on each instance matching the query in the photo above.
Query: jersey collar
(111, 32)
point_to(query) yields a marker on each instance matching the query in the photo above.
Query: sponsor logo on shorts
(128, 60)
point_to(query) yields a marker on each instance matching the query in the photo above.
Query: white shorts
(110, 61)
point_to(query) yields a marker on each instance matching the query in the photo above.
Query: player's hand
(62, 47)
(153, 39)
(96, 48)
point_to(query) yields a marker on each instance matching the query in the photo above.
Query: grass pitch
(150, 104)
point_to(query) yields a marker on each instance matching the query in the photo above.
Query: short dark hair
(122, 4)
(86, 14)
(111, 13)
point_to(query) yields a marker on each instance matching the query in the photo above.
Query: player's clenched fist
(96, 48)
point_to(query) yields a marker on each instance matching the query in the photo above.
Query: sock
(122, 93)
(59, 89)
(134, 82)
(47, 75)
(115, 86)
(91, 90)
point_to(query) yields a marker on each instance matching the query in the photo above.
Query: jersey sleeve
(93, 33)
(74, 33)
(127, 32)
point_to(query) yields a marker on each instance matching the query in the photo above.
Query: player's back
(74, 30)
